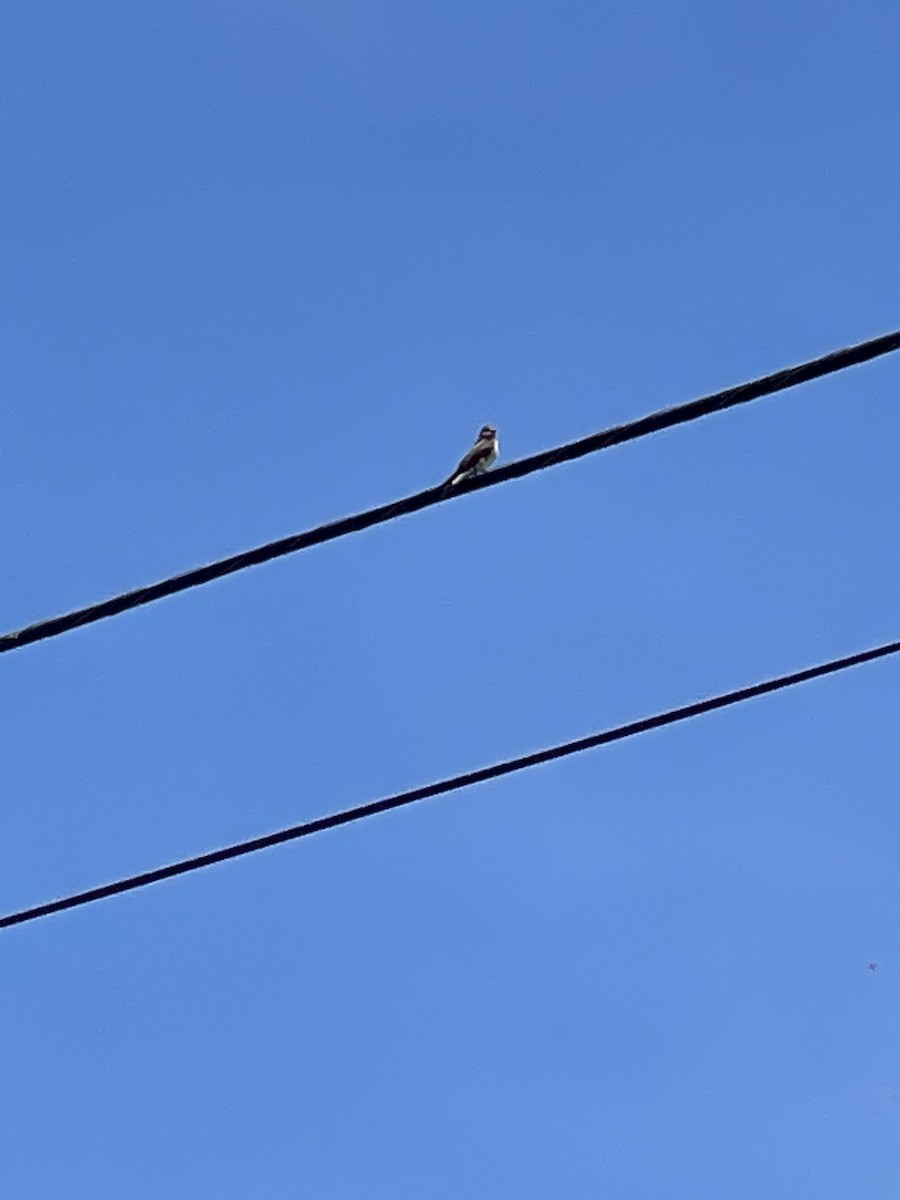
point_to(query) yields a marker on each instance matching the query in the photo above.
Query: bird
(479, 458)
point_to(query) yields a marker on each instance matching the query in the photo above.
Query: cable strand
(443, 786)
(767, 385)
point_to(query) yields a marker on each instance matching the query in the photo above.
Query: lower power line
(349, 815)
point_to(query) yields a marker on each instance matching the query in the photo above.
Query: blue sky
(267, 264)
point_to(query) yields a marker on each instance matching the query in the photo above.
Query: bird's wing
(471, 458)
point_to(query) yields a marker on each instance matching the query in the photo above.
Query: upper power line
(401, 799)
(838, 360)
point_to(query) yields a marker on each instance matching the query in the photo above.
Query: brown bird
(482, 455)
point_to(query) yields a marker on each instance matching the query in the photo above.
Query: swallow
(482, 455)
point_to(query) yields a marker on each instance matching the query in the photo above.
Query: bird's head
(487, 431)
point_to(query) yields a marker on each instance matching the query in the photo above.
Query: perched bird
(479, 458)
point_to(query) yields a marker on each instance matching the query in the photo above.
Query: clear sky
(264, 264)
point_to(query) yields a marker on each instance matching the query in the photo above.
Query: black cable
(839, 360)
(348, 815)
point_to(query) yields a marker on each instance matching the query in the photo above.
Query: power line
(838, 360)
(401, 799)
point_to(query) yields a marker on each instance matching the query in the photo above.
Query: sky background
(265, 264)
